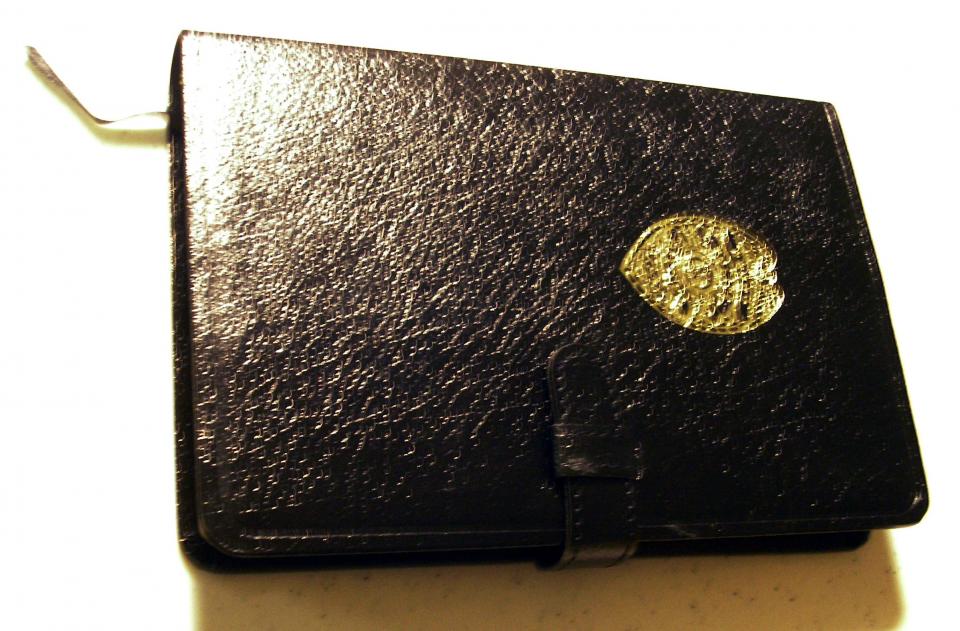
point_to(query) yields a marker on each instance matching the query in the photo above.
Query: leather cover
(378, 255)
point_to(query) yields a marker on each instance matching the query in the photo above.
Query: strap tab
(598, 459)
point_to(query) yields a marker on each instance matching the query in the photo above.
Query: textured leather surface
(377, 252)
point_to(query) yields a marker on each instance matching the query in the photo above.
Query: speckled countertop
(845, 590)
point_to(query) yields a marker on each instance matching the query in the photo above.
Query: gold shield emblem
(705, 273)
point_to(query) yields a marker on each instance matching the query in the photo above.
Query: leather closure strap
(598, 459)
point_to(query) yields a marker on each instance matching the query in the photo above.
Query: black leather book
(428, 305)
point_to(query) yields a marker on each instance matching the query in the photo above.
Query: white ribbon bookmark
(138, 122)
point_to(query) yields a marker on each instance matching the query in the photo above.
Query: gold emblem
(705, 273)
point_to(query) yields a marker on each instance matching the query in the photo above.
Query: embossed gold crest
(705, 273)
